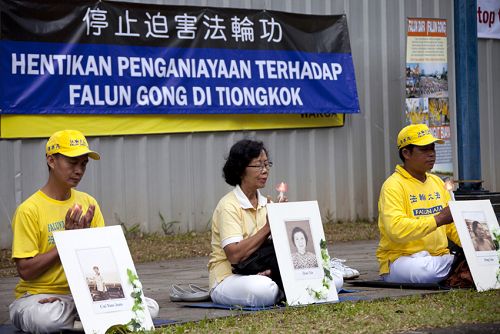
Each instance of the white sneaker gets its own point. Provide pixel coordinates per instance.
(77, 326)
(347, 272)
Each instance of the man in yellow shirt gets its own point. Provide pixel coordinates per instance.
(43, 302)
(415, 221)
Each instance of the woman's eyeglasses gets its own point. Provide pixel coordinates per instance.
(261, 167)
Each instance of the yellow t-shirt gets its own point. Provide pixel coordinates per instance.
(406, 220)
(234, 219)
(33, 223)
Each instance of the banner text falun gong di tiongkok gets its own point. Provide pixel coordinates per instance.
(92, 57)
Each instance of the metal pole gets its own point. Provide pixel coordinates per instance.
(467, 100)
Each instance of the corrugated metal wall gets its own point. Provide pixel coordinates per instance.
(489, 106)
(179, 175)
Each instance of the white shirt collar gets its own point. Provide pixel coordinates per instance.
(245, 202)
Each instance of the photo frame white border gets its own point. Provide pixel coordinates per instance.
(483, 264)
(296, 290)
(104, 259)
(68, 243)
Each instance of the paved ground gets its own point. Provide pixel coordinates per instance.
(157, 278)
(462, 329)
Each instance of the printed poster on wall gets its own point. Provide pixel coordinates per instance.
(427, 84)
(188, 64)
(488, 19)
(100, 57)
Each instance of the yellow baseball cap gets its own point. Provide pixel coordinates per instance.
(71, 143)
(416, 134)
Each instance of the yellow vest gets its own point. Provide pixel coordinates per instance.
(33, 223)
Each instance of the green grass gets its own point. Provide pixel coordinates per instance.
(381, 316)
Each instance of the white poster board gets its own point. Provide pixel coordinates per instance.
(297, 231)
(475, 222)
(95, 261)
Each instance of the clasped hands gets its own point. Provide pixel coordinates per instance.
(75, 219)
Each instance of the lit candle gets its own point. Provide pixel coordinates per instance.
(448, 185)
(282, 188)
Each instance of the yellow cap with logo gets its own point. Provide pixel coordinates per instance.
(416, 134)
(71, 143)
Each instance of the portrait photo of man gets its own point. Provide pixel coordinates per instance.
(480, 235)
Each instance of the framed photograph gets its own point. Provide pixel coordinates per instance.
(95, 261)
(476, 222)
(297, 233)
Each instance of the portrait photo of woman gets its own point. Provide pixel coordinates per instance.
(302, 255)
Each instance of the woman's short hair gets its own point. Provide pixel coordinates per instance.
(297, 230)
(240, 155)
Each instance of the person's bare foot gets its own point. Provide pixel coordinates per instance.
(265, 273)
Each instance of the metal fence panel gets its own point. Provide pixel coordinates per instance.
(179, 175)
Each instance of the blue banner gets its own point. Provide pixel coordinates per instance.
(174, 71)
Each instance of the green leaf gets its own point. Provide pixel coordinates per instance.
(117, 329)
(328, 274)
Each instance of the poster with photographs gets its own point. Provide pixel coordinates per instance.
(95, 261)
(427, 84)
(476, 222)
(297, 232)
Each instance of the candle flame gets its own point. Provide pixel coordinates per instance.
(282, 187)
(449, 184)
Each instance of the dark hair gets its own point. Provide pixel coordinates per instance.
(475, 225)
(239, 157)
(55, 155)
(297, 230)
(409, 147)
